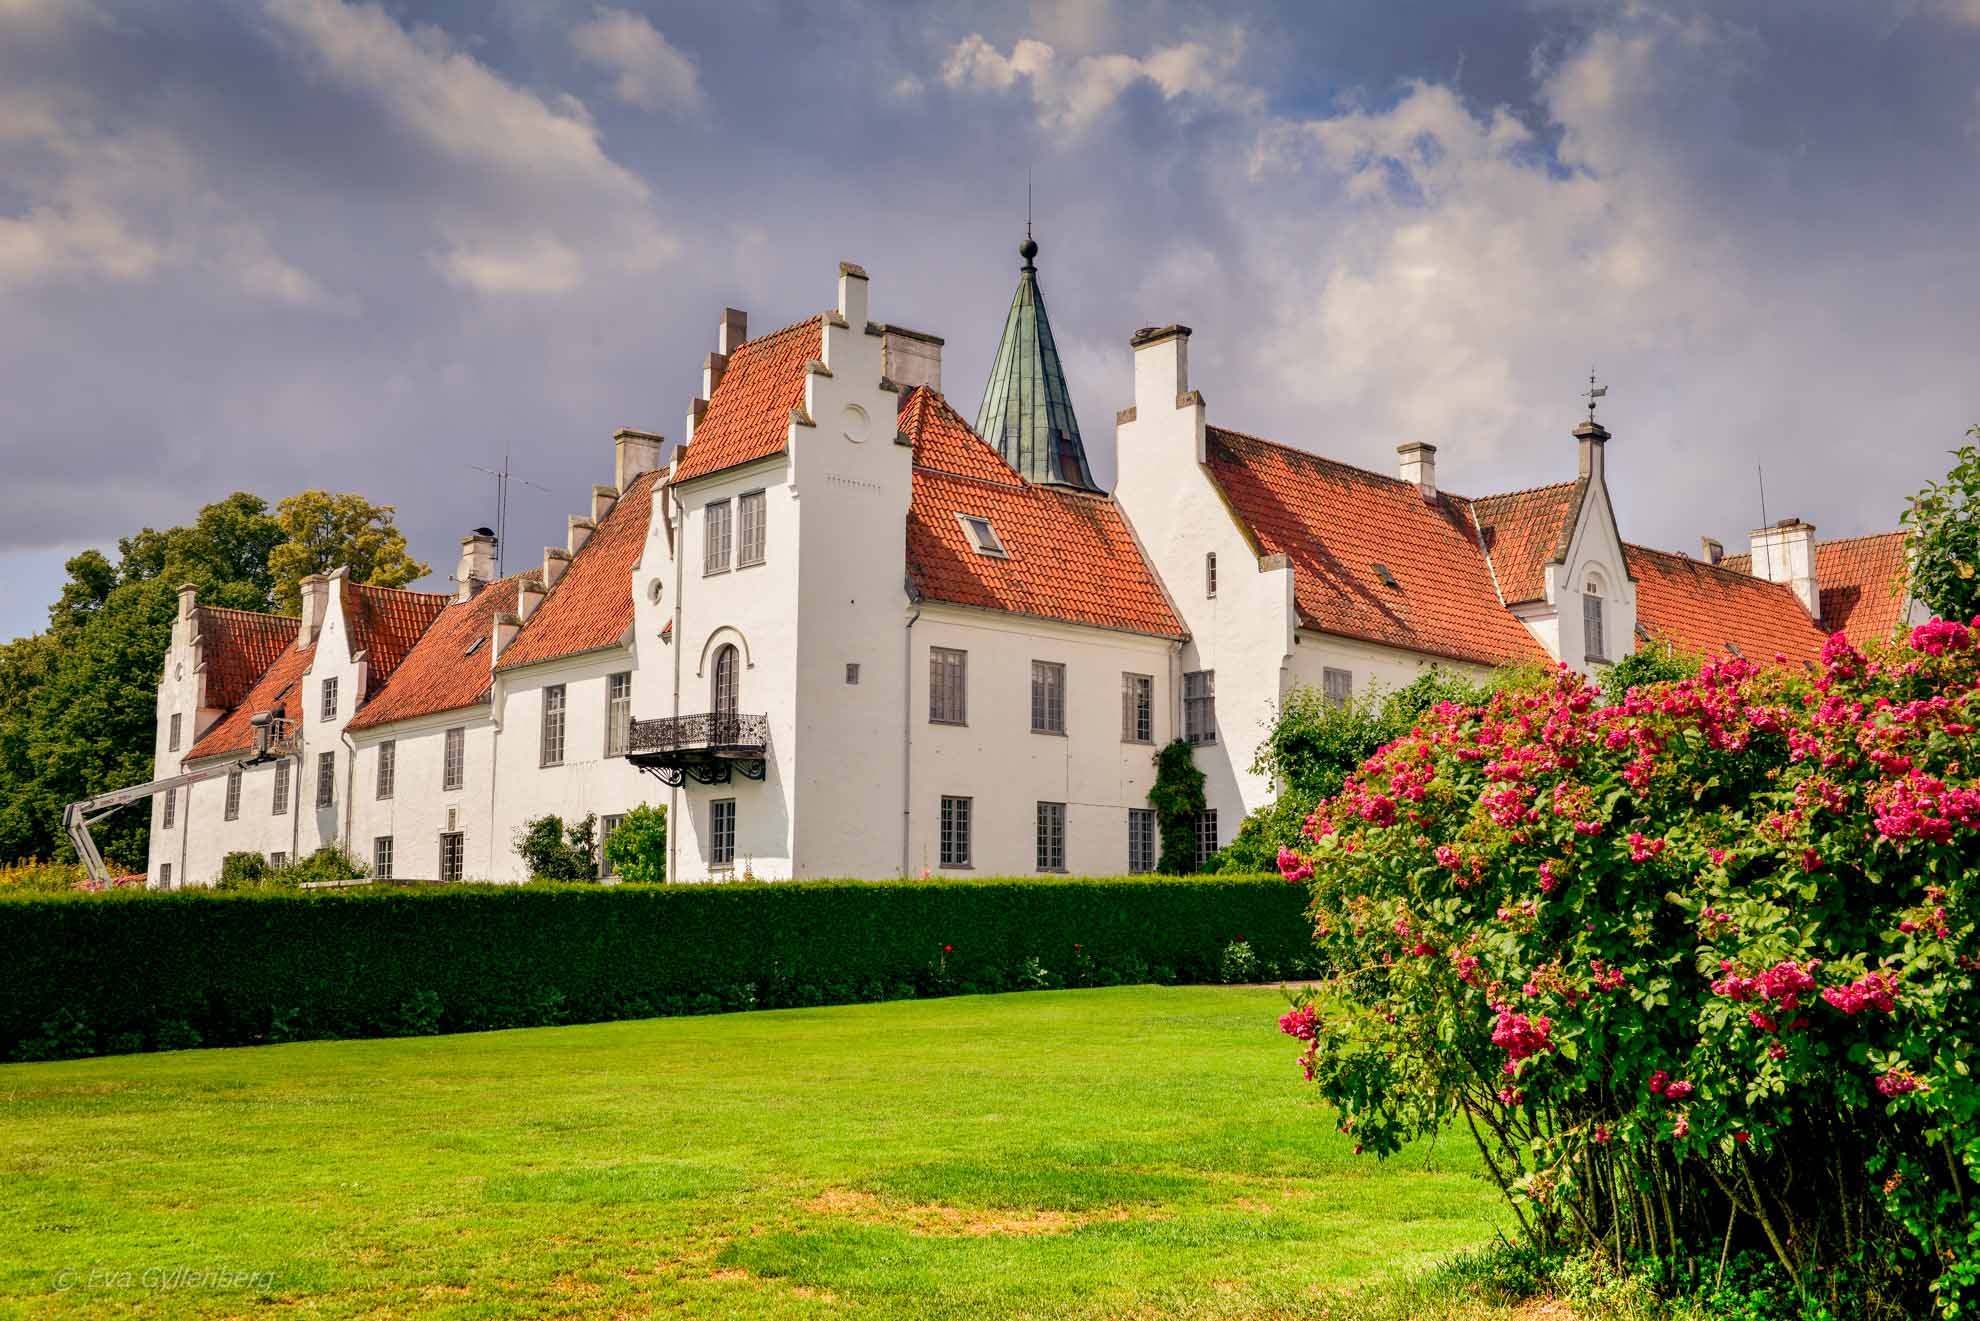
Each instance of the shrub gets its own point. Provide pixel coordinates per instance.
(250, 871)
(637, 850)
(242, 871)
(263, 965)
(1695, 969)
(555, 852)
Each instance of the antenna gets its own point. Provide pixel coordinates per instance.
(503, 476)
(1594, 392)
(1761, 473)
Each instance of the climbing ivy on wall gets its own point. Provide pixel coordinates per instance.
(1177, 797)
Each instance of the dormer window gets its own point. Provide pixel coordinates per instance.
(982, 536)
(1388, 579)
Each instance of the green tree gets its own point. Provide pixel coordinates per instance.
(323, 531)
(637, 850)
(556, 852)
(1944, 520)
(1646, 665)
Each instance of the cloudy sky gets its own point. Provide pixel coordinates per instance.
(279, 244)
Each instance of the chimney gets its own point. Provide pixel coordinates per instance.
(477, 563)
(852, 295)
(1785, 553)
(910, 358)
(1713, 549)
(634, 452)
(1419, 467)
(1592, 437)
(315, 603)
(188, 600)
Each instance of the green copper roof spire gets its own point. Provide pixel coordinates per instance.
(1027, 411)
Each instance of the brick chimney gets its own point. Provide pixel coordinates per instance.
(1785, 553)
(1419, 467)
(477, 567)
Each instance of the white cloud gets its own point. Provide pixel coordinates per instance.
(652, 73)
(1073, 95)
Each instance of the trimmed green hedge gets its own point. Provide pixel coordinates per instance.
(99, 974)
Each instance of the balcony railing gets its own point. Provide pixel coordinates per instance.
(707, 746)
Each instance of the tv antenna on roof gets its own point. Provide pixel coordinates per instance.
(1594, 392)
(503, 476)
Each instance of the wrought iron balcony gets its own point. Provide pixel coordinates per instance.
(707, 747)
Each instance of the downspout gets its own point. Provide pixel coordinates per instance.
(678, 541)
(495, 708)
(295, 804)
(907, 737)
(350, 788)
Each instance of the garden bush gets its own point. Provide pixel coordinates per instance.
(86, 974)
(1695, 968)
(554, 851)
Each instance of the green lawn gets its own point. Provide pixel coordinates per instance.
(1143, 1152)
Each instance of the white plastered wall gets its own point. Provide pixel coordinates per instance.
(418, 810)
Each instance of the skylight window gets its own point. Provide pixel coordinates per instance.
(1388, 579)
(474, 646)
(982, 536)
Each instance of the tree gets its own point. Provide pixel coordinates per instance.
(324, 531)
(637, 850)
(1944, 520)
(555, 852)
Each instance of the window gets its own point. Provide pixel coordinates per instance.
(715, 537)
(388, 767)
(1210, 574)
(381, 857)
(1337, 685)
(722, 689)
(1591, 624)
(618, 713)
(553, 725)
(453, 853)
(233, 796)
(955, 832)
(173, 744)
(1048, 697)
(1200, 706)
(1206, 837)
(750, 510)
(453, 760)
(1137, 708)
(852, 673)
(948, 686)
(326, 779)
(606, 825)
(278, 860)
(1141, 839)
(164, 875)
(171, 812)
(329, 710)
(280, 807)
(722, 832)
(1051, 837)
(982, 536)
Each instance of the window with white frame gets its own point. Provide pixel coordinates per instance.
(1141, 839)
(453, 759)
(1206, 836)
(453, 855)
(326, 779)
(722, 832)
(1048, 697)
(955, 831)
(1337, 685)
(983, 538)
(1200, 706)
(173, 744)
(278, 860)
(329, 704)
(948, 686)
(1210, 574)
(1051, 837)
(381, 857)
(171, 810)
(1137, 708)
(750, 512)
(725, 684)
(553, 725)
(164, 875)
(280, 805)
(715, 537)
(388, 768)
(618, 713)
(1591, 623)
(233, 811)
(606, 826)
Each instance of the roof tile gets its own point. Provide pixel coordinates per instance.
(233, 734)
(591, 606)
(236, 647)
(1710, 608)
(750, 414)
(448, 668)
(1523, 532)
(385, 624)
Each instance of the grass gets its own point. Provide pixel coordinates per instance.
(1137, 1152)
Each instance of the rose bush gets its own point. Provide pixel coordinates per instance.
(1695, 967)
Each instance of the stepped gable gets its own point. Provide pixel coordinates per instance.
(277, 686)
(1336, 523)
(385, 624)
(236, 648)
(749, 412)
(1525, 531)
(1713, 609)
(591, 606)
(1070, 555)
(448, 669)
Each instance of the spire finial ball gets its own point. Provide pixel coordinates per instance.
(1029, 248)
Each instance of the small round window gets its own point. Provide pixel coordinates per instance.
(653, 590)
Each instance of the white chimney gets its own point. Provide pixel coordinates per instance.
(477, 568)
(634, 452)
(315, 603)
(1419, 467)
(1713, 549)
(1591, 436)
(1785, 553)
(910, 358)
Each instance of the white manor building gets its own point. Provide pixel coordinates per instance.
(837, 631)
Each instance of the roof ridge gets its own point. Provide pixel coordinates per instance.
(1528, 490)
(251, 614)
(799, 324)
(1861, 536)
(402, 591)
(1331, 461)
(1681, 557)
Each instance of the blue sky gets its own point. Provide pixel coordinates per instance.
(276, 244)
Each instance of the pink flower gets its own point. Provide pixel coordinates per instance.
(1896, 1082)
(1677, 1091)
(1658, 1081)
(1301, 1023)
(1293, 867)
(1642, 849)
(1873, 990)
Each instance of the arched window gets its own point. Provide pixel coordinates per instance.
(724, 685)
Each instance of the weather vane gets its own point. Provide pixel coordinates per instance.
(1594, 392)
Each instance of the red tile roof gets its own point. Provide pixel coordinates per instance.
(276, 686)
(236, 646)
(592, 605)
(449, 668)
(1523, 532)
(1865, 585)
(1702, 607)
(1071, 555)
(750, 414)
(1336, 523)
(385, 623)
